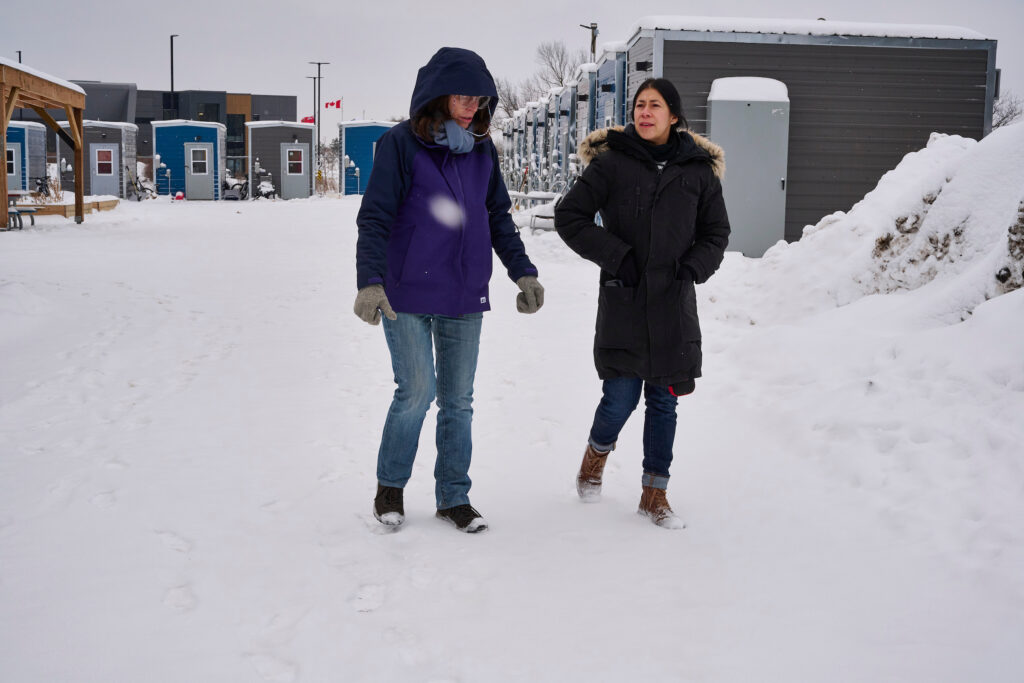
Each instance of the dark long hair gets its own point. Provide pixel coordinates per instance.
(432, 116)
(669, 93)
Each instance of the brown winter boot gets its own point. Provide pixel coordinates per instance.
(654, 505)
(588, 481)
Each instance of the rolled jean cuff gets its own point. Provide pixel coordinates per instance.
(657, 481)
(601, 447)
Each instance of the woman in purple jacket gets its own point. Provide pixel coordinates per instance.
(434, 208)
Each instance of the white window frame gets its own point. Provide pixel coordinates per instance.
(12, 166)
(96, 160)
(192, 160)
(288, 162)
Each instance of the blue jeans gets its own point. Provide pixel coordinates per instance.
(620, 399)
(412, 340)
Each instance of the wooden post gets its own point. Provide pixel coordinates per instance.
(77, 123)
(4, 217)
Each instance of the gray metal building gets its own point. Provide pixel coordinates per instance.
(861, 95)
(110, 154)
(284, 150)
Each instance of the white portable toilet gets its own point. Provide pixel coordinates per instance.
(749, 118)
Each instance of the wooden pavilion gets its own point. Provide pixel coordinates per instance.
(25, 88)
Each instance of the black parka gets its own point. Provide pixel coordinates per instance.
(674, 221)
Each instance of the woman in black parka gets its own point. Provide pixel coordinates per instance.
(659, 193)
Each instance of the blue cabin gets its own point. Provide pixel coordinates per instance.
(610, 108)
(191, 158)
(26, 155)
(358, 148)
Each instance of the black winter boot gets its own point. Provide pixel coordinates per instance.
(388, 506)
(464, 517)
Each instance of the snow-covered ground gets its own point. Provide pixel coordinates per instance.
(190, 413)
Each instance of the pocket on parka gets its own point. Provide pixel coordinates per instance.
(620, 319)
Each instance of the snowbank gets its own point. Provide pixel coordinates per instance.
(949, 215)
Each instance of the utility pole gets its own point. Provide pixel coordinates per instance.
(593, 38)
(314, 97)
(173, 36)
(318, 90)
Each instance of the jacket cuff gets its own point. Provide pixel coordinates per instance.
(612, 260)
(516, 274)
(692, 272)
(373, 280)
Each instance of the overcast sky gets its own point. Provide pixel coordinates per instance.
(375, 46)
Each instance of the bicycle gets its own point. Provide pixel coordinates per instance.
(136, 187)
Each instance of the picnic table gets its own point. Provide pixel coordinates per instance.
(15, 213)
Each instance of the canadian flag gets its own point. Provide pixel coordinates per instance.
(308, 119)
(336, 104)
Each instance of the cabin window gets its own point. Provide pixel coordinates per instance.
(10, 162)
(295, 162)
(104, 162)
(198, 161)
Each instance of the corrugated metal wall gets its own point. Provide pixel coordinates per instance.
(642, 51)
(855, 110)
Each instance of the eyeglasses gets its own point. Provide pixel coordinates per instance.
(480, 101)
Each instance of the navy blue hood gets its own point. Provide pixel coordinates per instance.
(453, 71)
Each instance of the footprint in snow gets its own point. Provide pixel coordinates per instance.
(181, 599)
(331, 477)
(105, 500)
(375, 527)
(368, 598)
(173, 541)
(273, 669)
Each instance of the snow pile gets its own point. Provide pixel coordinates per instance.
(949, 214)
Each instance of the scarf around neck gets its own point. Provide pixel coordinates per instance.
(454, 136)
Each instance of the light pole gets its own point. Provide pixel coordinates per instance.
(314, 97)
(173, 36)
(318, 77)
(593, 38)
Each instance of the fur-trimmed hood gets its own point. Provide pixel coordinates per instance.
(597, 143)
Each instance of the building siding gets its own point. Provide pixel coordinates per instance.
(357, 142)
(641, 51)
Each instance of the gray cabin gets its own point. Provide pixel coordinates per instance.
(110, 157)
(861, 96)
(281, 153)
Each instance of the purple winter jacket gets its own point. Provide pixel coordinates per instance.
(430, 217)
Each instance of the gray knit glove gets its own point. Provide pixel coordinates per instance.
(532, 297)
(371, 302)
